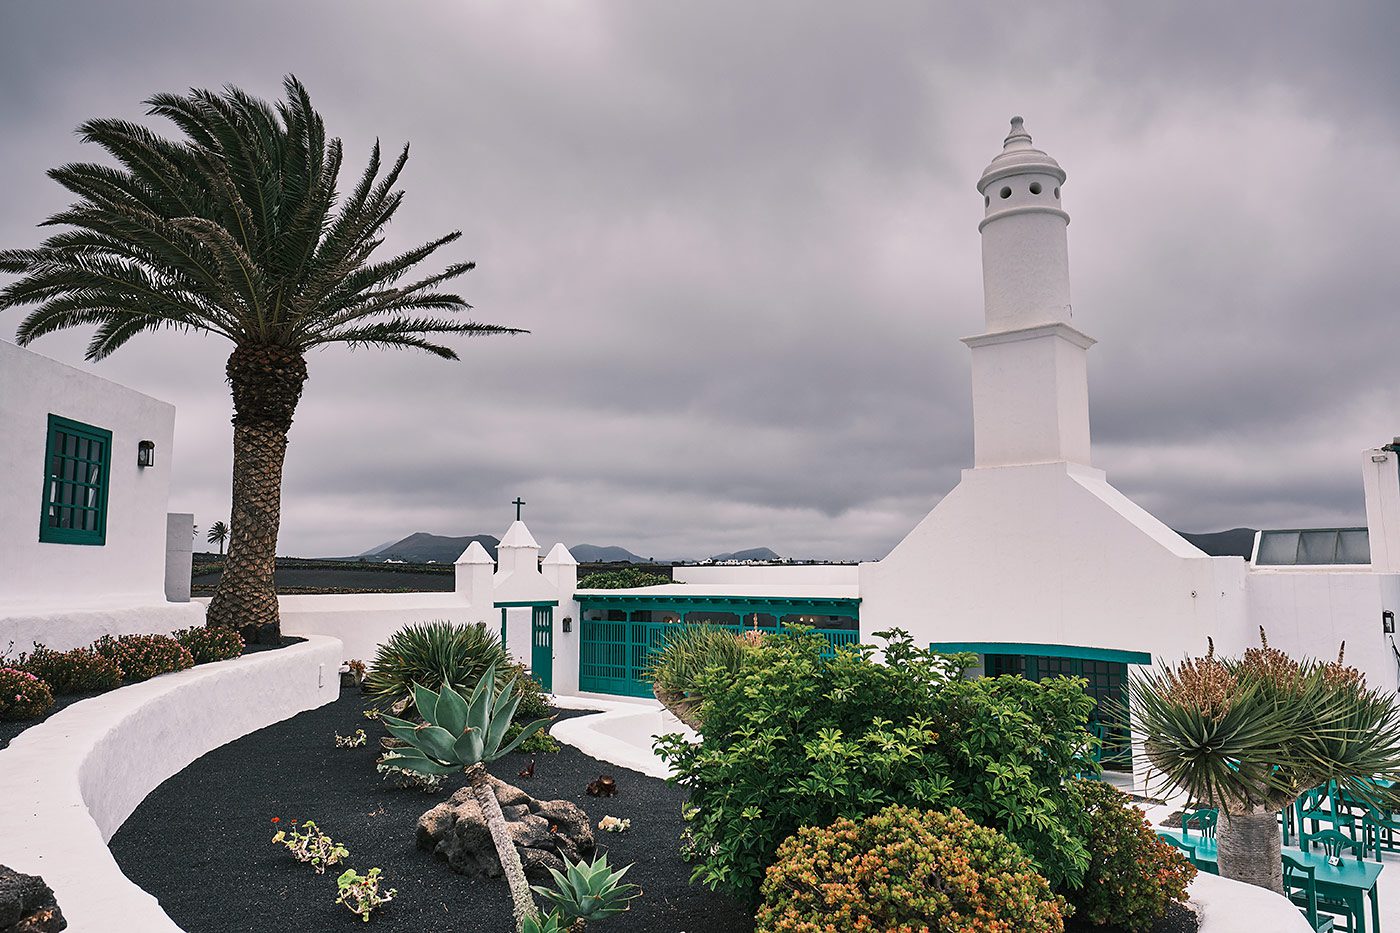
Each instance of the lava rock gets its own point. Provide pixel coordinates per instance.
(544, 832)
(27, 905)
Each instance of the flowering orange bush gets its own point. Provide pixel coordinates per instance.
(1133, 875)
(907, 871)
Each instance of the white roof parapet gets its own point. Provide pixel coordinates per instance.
(518, 536)
(560, 555)
(475, 554)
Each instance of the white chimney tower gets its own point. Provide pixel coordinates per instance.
(1030, 386)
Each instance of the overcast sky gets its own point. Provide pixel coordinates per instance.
(744, 237)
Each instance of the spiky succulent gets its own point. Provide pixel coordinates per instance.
(588, 890)
(457, 733)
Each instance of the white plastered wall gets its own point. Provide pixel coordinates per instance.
(66, 594)
(1051, 554)
(1309, 613)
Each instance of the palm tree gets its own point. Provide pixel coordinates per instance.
(218, 534)
(1249, 735)
(237, 230)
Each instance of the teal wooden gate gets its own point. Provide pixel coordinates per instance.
(614, 654)
(542, 646)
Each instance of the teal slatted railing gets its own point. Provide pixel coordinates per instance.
(614, 654)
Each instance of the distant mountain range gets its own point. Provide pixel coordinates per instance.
(1237, 542)
(753, 553)
(422, 547)
(605, 554)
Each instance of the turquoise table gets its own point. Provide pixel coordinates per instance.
(1349, 882)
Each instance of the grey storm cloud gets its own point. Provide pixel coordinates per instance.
(744, 239)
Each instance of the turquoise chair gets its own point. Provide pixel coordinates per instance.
(1204, 820)
(1336, 813)
(1337, 845)
(1300, 884)
(1190, 852)
(1378, 828)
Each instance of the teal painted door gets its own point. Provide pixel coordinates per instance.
(542, 646)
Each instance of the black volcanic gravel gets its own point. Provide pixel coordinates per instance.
(201, 841)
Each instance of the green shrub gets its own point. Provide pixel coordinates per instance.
(80, 670)
(905, 869)
(142, 657)
(624, 579)
(430, 654)
(1133, 875)
(690, 650)
(797, 739)
(208, 643)
(22, 695)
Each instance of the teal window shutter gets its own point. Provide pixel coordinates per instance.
(77, 464)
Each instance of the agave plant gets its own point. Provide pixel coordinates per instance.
(549, 923)
(588, 891)
(1249, 735)
(466, 734)
(432, 654)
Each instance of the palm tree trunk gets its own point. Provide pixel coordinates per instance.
(1249, 847)
(514, 871)
(266, 383)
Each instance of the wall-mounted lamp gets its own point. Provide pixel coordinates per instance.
(1388, 621)
(568, 624)
(146, 454)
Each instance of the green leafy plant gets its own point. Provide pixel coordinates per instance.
(464, 735)
(353, 740)
(361, 894)
(906, 869)
(79, 670)
(308, 843)
(1133, 876)
(623, 579)
(22, 695)
(538, 743)
(587, 891)
(690, 651)
(431, 654)
(549, 923)
(802, 736)
(211, 643)
(142, 657)
(1249, 734)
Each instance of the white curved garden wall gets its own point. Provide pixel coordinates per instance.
(68, 784)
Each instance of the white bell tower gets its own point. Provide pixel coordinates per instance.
(1030, 386)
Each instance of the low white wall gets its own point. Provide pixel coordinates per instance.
(363, 621)
(70, 782)
(1226, 906)
(814, 574)
(61, 630)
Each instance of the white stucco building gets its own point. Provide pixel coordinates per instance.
(85, 537)
(1034, 561)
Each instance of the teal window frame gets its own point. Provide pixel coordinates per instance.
(56, 487)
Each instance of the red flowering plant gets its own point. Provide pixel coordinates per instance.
(22, 695)
(142, 657)
(79, 670)
(208, 643)
(906, 869)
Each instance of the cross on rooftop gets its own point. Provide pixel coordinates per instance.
(518, 503)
